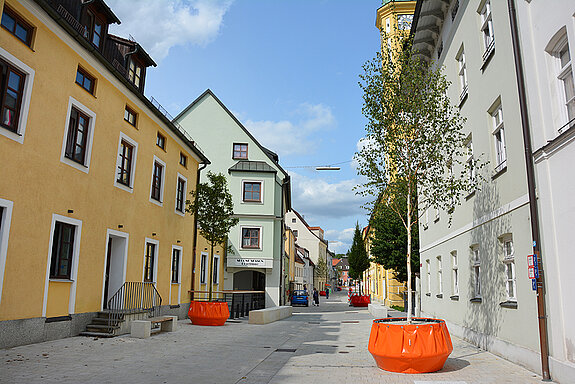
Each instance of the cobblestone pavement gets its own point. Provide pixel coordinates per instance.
(325, 344)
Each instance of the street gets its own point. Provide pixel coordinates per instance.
(324, 344)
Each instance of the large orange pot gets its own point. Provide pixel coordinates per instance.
(213, 313)
(360, 300)
(410, 348)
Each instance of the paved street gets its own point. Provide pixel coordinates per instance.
(326, 344)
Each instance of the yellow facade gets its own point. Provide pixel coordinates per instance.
(39, 187)
(202, 280)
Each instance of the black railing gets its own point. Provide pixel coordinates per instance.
(240, 303)
(133, 297)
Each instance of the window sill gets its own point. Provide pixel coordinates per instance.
(428, 294)
(487, 56)
(509, 304)
(85, 90)
(123, 187)
(469, 196)
(436, 220)
(55, 279)
(250, 248)
(476, 300)
(156, 202)
(462, 98)
(499, 170)
(454, 297)
(176, 283)
(439, 295)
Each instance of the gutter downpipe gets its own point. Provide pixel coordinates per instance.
(541, 311)
(203, 166)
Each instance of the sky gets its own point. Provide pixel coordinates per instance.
(287, 69)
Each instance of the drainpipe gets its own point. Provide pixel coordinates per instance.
(543, 341)
(195, 242)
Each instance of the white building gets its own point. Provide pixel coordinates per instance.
(261, 192)
(474, 272)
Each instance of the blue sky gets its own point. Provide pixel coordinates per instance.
(288, 69)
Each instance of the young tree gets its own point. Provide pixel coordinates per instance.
(213, 206)
(357, 259)
(414, 144)
(321, 268)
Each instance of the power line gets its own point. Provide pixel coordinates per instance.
(331, 165)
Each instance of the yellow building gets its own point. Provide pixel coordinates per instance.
(290, 260)
(94, 177)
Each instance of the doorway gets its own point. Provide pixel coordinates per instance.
(115, 270)
(249, 281)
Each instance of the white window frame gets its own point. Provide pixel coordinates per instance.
(163, 164)
(156, 259)
(179, 283)
(242, 238)
(486, 28)
(75, 261)
(561, 73)
(134, 144)
(439, 276)
(261, 182)
(203, 267)
(73, 103)
(476, 271)
(178, 178)
(29, 73)
(428, 272)
(462, 74)
(455, 273)
(216, 270)
(5, 221)
(470, 160)
(499, 137)
(509, 264)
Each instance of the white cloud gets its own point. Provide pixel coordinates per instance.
(292, 138)
(346, 234)
(159, 25)
(318, 198)
(339, 247)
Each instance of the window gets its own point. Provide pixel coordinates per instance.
(509, 263)
(439, 276)
(125, 167)
(565, 77)
(85, 81)
(216, 270)
(476, 271)
(203, 267)
(499, 139)
(176, 265)
(62, 251)
(130, 116)
(295, 232)
(16, 26)
(240, 151)
(404, 22)
(161, 141)
(180, 194)
(135, 71)
(251, 237)
(77, 140)
(149, 262)
(293, 220)
(455, 273)
(12, 87)
(425, 221)
(487, 30)
(94, 29)
(157, 181)
(183, 160)
(462, 75)
(252, 191)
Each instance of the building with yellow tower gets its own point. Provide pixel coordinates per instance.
(393, 17)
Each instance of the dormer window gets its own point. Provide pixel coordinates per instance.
(94, 29)
(135, 72)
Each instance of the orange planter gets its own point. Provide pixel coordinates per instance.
(410, 348)
(213, 313)
(360, 300)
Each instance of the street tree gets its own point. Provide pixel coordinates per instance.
(414, 143)
(214, 208)
(357, 256)
(321, 268)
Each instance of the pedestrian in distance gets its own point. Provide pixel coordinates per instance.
(315, 297)
(327, 293)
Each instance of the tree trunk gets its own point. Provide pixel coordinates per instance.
(211, 271)
(409, 301)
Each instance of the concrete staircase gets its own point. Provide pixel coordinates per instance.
(101, 327)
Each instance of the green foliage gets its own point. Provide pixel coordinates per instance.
(321, 268)
(213, 205)
(358, 259)
(389, 242)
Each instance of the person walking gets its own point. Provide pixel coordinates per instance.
(327, 293)
(315, 297)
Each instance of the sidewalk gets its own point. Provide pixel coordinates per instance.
(325, 344)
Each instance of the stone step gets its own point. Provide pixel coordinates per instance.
(96, 334)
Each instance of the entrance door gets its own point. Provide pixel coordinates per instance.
(115, 264)
(249, 281)
(107, 274)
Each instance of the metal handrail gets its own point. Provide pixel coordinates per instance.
(133, 297)
(240, 303)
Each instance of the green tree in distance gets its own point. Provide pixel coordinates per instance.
(357, 258)
(214, 208)
(414, 143)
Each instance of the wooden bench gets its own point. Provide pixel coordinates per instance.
(269, 315)
(142, 329)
